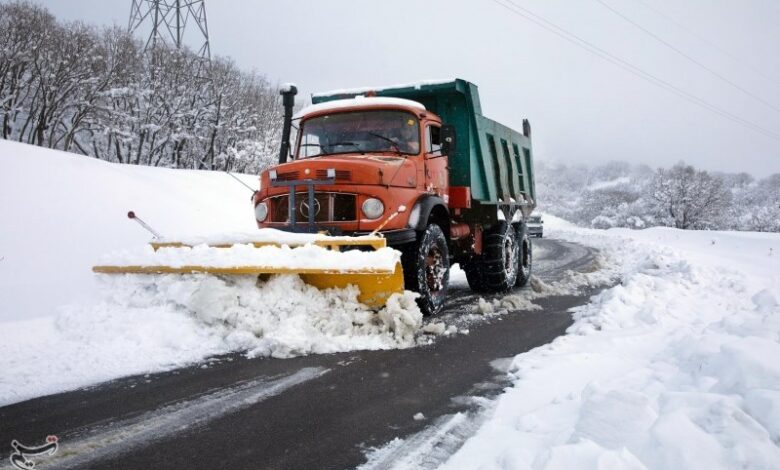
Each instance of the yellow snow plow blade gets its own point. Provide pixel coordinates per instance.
(376, 285)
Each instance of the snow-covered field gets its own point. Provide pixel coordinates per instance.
(678, 367)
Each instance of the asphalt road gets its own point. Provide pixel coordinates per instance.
(320, 411)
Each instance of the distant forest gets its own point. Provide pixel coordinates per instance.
(94, 91)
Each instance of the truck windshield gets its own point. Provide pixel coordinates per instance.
(361, 132)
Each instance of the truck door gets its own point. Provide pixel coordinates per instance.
(436, 169)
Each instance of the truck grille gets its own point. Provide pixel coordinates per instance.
(341, 175)
(289, 176)
(328, 207)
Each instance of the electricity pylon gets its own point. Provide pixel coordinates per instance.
(169, 20)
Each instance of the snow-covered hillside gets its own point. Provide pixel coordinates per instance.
(60, 212)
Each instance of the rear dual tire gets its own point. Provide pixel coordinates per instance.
(505, 261)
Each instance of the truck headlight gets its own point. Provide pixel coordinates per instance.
(373, 208)
(261, 211)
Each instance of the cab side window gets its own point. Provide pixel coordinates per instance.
(433, 137)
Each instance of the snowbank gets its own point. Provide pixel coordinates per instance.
(61, 212)
(676, 367)
(62, 327)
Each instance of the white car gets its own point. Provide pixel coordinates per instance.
(535, 226)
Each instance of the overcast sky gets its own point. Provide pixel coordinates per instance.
(582, 108)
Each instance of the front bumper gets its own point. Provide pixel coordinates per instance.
(396, 237)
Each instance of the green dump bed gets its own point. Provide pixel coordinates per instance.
(495, 161)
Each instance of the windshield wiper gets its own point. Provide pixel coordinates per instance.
(322, 149)
(347, 143)
(388, 139)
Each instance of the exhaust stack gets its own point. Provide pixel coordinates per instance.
(288, 93)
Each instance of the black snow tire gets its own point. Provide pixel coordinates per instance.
(525, 261)
(426, 264)
(495, 270)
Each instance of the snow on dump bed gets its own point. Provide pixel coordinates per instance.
(676, 367)
(307, 256)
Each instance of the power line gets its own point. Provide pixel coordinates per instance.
(688, 57)
(703, 39)
(593, 49)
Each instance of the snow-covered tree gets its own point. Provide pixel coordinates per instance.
(73, 87)
(689, 198)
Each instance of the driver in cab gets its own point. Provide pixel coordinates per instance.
(409, 139)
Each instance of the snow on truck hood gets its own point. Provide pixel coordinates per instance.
(361, 101)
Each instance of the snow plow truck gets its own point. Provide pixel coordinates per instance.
(416, 168)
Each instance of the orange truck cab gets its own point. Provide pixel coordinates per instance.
(363, 163)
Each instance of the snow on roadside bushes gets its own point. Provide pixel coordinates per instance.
(676, 367)
(153, 323)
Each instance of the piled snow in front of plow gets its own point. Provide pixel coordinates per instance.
(152, 323)
(63, 327)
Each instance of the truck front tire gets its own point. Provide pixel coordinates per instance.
(496, 269)
(426, 264)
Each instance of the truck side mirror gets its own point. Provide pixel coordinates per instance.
(448, 140)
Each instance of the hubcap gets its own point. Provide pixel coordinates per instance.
(434, 270)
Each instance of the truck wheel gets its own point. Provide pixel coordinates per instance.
(496, 269)
(426, 264)
(525, 261)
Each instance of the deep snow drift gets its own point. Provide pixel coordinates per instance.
(61, 212)
(675, 367)
(62, 327)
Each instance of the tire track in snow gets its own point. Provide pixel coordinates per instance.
(123, 436)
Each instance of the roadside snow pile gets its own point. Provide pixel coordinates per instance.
(153, 323)
(676, 367)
